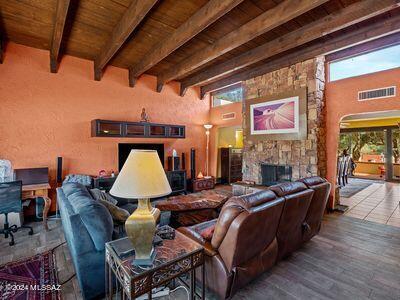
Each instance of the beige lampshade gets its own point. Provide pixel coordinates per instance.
(142, 176)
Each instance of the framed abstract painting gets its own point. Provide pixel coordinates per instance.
(277, 117)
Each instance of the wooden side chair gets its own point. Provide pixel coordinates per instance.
(346, 169)
(340, 166)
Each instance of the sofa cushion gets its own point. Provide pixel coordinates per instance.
(225, 219)
(287, 188)
(100, 195)
(74, 187)
(208, 232)
(311, 181)
(78, 178)
(252, 200)
(118, 214)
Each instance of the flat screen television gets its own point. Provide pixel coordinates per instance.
(125, 149)
(32, 175)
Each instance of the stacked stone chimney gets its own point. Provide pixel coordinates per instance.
(307, 157)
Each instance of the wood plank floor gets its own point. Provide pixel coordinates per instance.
(349, 259)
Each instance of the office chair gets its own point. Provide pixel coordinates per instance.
(11, 201)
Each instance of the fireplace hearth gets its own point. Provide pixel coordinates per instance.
(273, 174)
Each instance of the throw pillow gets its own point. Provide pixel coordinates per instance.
(207, 233)
(100, 195)
(118, 214)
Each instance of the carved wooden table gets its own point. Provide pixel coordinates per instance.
(187, 210)
(173, 259)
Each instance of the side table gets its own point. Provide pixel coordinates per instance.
(173, 258)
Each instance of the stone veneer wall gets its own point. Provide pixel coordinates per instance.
(307, 157)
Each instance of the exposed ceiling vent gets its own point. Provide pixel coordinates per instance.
(229, 116)
(377, 93)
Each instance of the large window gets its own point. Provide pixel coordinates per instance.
(227, 95)
(379, 60)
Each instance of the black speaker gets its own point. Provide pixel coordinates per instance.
(192, 163)
(59, 169)
(173, 163)
(183, 161)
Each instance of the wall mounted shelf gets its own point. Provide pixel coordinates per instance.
(106, 128)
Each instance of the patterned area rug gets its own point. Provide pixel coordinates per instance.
(33, 278)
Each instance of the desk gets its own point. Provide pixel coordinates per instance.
(35, 191)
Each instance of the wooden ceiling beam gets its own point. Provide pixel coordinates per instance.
(132, 79)
(323, 47)
(135, 13)
(272, 18)
(206, 15)
(1, 49)
(2, 36)
(56, 38)
(355, 13)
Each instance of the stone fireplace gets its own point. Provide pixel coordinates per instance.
(305, 157)
(273, 174)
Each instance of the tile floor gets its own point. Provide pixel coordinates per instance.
(377, 203)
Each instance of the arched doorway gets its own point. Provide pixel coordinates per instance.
(372, 140)
(371, 144)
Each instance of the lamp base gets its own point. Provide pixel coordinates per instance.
(140, 228)
(145, 262)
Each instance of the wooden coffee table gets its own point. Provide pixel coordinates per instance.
(191, 209)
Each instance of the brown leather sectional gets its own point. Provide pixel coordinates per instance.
(253, 232)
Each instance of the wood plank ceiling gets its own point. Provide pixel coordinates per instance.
(197, 42)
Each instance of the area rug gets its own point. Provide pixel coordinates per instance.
(356, 185)
(33, 278)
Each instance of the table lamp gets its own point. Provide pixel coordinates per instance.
(142, 177)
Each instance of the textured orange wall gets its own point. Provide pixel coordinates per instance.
(45, 115)
(216, 119)
(341, 101)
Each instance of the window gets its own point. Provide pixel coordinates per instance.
(375, 61)
(227, 95)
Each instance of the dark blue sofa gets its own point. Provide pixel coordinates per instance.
(87, 227)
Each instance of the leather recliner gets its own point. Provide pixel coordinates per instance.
(291, 226)
(254, 231)
(318, 204)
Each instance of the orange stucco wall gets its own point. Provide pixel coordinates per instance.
(216, 119)
(45, 115)
(341, 101)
